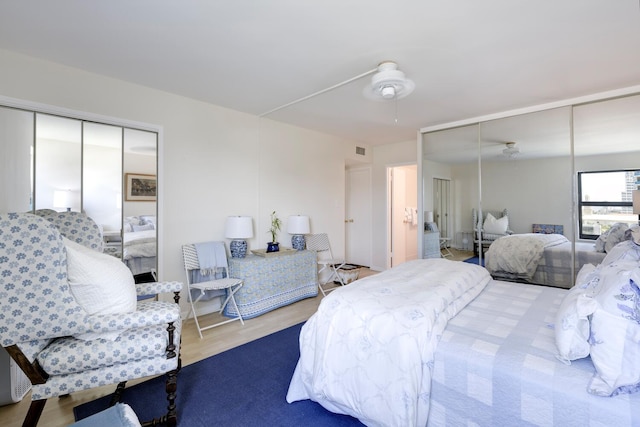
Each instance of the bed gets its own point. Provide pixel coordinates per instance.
(368, 354)
(496, 365)
(139, 244)
(543, 259)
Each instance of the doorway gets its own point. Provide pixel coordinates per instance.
(402, 202)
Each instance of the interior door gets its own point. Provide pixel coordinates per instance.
(358, 218)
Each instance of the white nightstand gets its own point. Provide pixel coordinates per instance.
(431, 244)
(112, 243)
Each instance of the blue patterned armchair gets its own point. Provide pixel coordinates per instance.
(40, 320)
(75, 226)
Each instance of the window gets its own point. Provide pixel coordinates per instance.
(605, 198)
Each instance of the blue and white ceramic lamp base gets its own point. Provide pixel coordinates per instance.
(238, 248)
(297, 242)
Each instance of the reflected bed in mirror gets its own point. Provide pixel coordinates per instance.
(139, 244)
(539, 258)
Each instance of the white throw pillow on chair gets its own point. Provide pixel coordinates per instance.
(495, 226)
(100, 283)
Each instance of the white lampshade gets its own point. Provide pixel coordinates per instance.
(62, 199)
(428, 216)
(298, 224)
(238, 227)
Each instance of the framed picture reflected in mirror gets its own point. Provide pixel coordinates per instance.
(140, 188)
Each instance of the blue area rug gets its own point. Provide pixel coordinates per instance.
(474, 260)
(244, 386)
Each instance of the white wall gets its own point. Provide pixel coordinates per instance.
(214, 162)
(534, 192)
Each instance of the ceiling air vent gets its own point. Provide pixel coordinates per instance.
(360, 150)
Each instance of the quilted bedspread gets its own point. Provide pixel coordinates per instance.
(368, 351)
(520, 254)
(139, 244)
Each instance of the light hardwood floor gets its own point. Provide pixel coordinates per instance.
(59, 411)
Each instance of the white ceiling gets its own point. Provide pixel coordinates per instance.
(467, 58)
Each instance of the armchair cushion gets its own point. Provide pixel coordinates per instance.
(69, 355)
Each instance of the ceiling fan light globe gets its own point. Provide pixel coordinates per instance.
(388, 83)
(388, 92)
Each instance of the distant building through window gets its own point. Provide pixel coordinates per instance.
(605, 198)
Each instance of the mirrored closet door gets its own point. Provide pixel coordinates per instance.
(533, 167)
(68, 164)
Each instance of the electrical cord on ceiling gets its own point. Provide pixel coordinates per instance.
(319, 92)
(388, 83)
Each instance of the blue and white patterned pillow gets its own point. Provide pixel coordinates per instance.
(615, 331)
(572, 328)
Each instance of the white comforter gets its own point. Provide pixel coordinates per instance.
(368, 350)
(139, 244)
(520, 253)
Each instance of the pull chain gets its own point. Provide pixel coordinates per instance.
(396, 100)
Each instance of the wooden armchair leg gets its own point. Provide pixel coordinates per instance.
(117, 394)
(171, 388)
(171, 417)
(34, 412)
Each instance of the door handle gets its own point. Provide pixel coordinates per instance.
(348, 220)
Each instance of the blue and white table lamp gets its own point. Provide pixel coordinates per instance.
(238, 228)
(298, 226)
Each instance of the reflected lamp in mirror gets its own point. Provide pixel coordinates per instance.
(428, 219)
(636, 203)
(238, 228)
(62, 199)
(298, 226)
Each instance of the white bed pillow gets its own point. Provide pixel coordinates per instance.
(610, 238)
(615, 331)
(572, 319)
(616, 235)
(100, 283)
(144, 227)
(148, 219)
(623, 251)
(495, 226)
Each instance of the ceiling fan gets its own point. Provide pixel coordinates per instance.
(511, 151)
(388, 83)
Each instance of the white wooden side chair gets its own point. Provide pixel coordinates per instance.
(320, 244)
(444, 247)
(207, 271)
(60, 344)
